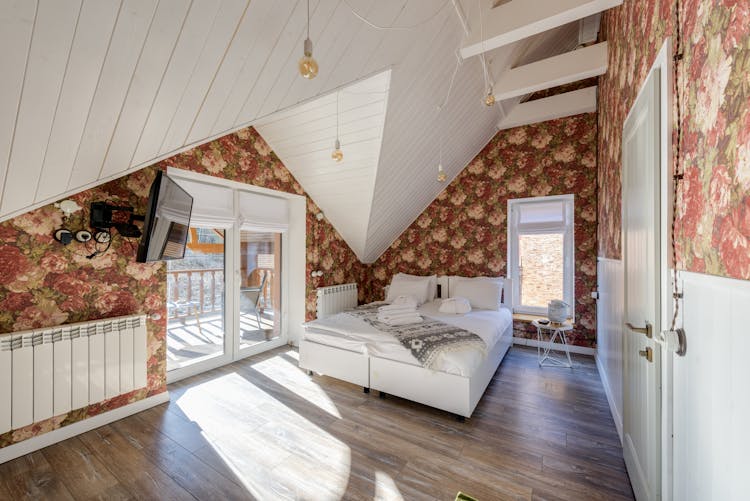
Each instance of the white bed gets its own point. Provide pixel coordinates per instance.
(349, 349)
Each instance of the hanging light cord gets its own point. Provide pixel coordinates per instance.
(678, 175)
(389, 28)
(337, 116)
(450, 85)
(308, 19)
(481, 56)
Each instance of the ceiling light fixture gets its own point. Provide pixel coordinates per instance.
(308, 66)
(442, 176)
(489, 100)
(337, 154)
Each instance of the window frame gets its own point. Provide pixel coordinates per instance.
(568, 231)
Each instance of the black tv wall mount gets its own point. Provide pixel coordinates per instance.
(102, 219)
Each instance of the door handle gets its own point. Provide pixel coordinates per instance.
(648, 354)
(647, 330)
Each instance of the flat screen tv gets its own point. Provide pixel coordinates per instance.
(167, 221)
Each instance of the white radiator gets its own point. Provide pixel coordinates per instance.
(51, 371)
(335, 299)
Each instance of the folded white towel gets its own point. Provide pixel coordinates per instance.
(455, 305)
(397, 308)
(397, 314)
(406, 300)
(413, 319)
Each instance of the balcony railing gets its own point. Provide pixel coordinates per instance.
(199, 292)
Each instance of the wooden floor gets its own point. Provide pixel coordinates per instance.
(262, 428)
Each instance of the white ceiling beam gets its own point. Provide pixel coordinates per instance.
(521, 19)
(549, 108)
(551, 72)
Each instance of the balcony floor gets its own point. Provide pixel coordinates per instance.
(195, 338)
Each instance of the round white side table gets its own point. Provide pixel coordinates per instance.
(555, 331)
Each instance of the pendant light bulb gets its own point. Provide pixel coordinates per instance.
(308, 66)
(489, 100)
(337, 154)
(441, 176)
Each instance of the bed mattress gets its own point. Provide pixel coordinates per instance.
(353, 334)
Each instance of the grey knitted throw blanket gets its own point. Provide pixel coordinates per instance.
(425, 340)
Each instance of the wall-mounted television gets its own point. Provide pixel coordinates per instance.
(167, 221)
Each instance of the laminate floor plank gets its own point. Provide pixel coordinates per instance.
(261, 428)
(131, 466)
(82, 473)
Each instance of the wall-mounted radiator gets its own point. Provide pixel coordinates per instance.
(48, 372)
(335, 299)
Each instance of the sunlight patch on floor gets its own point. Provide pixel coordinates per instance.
(386, 488)
(275, 452)
(291, 377)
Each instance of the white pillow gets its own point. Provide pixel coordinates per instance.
(432, 278)
(417, 288)
(482, 292)
(455, 305)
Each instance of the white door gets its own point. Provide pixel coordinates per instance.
(641, 355)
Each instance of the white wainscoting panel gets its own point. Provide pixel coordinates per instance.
(711, 397)
(609, 321)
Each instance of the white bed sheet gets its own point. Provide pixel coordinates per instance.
(353, 334)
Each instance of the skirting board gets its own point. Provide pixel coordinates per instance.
(39, 442)
(608, 391)
(581, 350)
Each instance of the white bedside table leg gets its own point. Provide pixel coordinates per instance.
(567, 350)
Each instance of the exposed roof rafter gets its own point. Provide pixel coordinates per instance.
(549, 108)
(552, 72)
(520, 19)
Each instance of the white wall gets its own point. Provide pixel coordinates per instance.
(709, 455)
(711, 391)
(609, 322)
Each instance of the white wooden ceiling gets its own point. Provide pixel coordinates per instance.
(304, 136)
(94, 89)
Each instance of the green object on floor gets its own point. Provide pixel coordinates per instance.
(464, 497)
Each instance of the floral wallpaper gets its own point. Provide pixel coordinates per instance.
(463, 232)
(43, 283)
(713, 216)
(245, 157)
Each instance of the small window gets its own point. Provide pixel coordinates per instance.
(541, 252)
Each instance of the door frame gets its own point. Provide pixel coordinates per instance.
(293, 290)
(663, 62)
(238, 352)
(226, 356)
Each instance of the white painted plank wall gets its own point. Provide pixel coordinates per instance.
(124, 51)
(228, 74)
(168, 22)
(50, 46)
(252, 69)
(182, 64)
(712, 401)
(229, 16)
(287, 46)
(90, 44)
(609, 331)
(16, 25)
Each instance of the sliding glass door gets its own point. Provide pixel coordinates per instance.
(259, 288)
(196, 305)
(224, 299)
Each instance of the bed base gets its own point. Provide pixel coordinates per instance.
(345, 365)
(449, 392)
